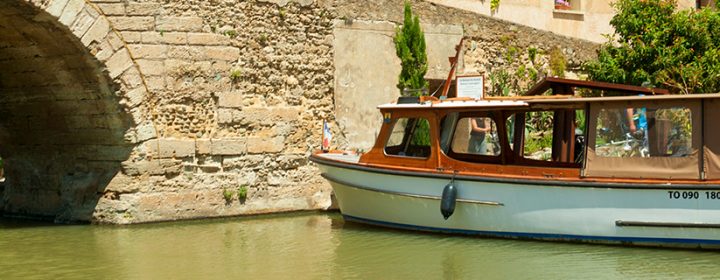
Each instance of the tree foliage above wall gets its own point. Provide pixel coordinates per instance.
(410, 48)
(658, 45)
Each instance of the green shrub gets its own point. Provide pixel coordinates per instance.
(410, 48)
(558, 63)
(532, 54)
(242, 192)
(232, 33)
(494, 6)
(263, 39)
(656, 44)
(227, 195)
(235, 75)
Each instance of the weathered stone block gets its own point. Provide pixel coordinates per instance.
(259, 145)
(83, 22)
(103, 51)
(115, 41)
(177, 148)
(142, 9)
(188, 24)
(131, 78)
(151, 67)
(118, 63)
(112, 9)
(56, 7)
(222, 53)
(71, 11)
(97, 32)
(133, 23)
(156, 83)
(136, 96)
(207, 39)
(121, 183)
(228, 146)
(203, 147)
(148, 51)
(230, 99)
(154, 167)
(131, 37)
(186, 52)
(174, 38)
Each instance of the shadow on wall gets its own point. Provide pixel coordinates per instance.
(62, 128)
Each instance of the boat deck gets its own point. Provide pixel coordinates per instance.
(344, 157)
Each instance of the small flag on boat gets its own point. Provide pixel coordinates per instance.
(326, 136)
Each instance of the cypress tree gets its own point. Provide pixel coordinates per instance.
(410, 48)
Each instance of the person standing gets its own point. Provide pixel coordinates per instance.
(479, 127)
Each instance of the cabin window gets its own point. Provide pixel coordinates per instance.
(644, 132)
(645, 139)
(409, 137)
(538, 140)
(553, 138)
(476, 136)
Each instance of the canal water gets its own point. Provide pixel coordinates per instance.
(317, 246)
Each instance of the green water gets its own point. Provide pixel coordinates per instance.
(317, 246)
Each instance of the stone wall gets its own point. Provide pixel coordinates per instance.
(240, 90)
(70, 109)
(497, 49)
(121, 111)
(366, 71)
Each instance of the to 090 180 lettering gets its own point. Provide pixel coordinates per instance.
(685, 194)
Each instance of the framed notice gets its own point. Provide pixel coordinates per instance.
(470, 86)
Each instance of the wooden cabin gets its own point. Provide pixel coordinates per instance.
(585, 139)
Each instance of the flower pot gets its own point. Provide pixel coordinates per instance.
(562, 7)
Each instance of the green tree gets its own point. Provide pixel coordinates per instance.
(410, 48)
(653, 43)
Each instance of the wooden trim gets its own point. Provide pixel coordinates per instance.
(453, 65)
(552, 82)
(510, 176)
(525, 97)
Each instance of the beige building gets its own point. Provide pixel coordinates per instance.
(584, 19)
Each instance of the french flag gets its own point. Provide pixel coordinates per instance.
(327, 136)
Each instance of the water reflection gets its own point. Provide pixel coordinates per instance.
(316, 246)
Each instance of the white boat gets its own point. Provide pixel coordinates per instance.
(648, 174)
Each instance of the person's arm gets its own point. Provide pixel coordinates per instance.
(476, 127)
(631, 123)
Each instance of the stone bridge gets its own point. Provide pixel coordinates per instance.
(115, 112)
(119, 111)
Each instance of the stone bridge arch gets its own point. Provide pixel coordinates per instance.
(73, 108)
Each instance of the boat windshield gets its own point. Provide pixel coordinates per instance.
(410, 137)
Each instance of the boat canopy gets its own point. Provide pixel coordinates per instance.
(645, 133)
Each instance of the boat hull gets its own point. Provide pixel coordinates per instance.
(616, 214)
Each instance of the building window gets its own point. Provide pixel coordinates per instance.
(567, 5)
